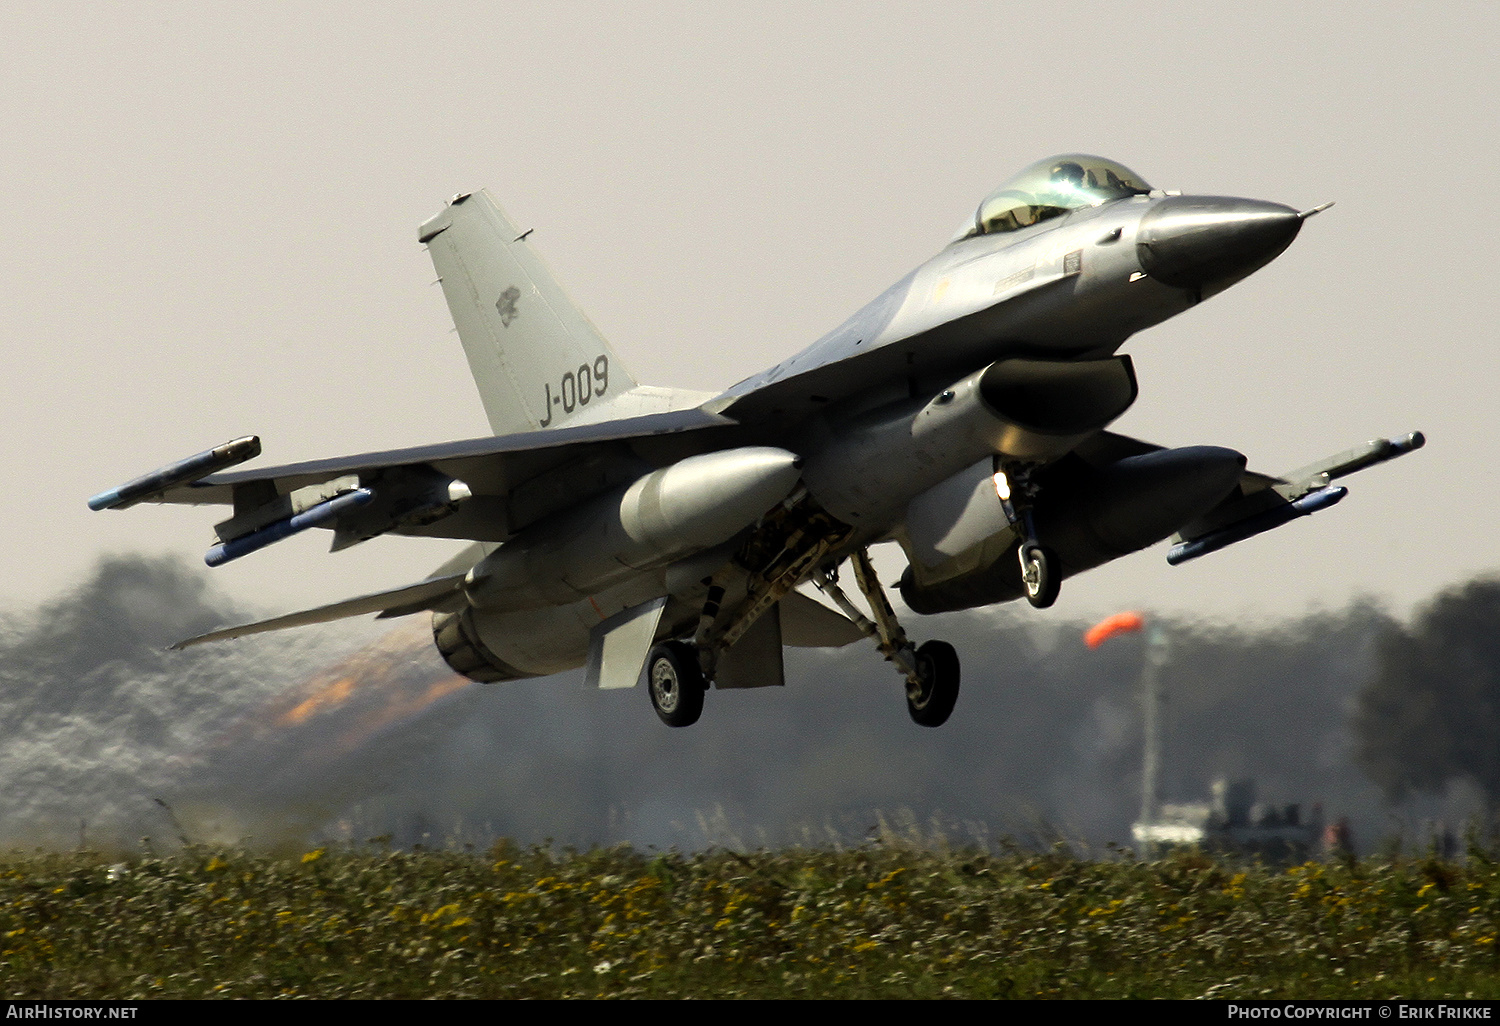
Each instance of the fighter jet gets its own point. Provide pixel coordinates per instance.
(673, 536)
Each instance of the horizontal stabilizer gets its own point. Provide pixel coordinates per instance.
(429, 594)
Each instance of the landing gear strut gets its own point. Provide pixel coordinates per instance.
(931, 671)
(1039, 570)
(793, 538)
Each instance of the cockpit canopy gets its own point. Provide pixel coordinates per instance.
(1052, 187)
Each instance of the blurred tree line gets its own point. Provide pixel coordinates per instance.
(1430, 713)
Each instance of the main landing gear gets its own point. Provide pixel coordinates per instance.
(796, 536)
(931, 702)
(677, 679)
(676, 683)
(931, 671)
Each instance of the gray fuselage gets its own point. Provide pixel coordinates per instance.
(853, 404)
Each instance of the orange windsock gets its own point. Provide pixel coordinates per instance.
(1120, 623)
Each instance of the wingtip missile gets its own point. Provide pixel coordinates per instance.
(1408, 443)
(230, 454)
(1377, 450)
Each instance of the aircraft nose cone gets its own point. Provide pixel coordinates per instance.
(1194, 242)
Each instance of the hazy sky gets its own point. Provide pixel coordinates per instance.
(211, 214)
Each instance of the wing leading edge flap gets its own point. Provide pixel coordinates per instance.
(429, 594)
(478, 461)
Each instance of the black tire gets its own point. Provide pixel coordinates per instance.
(676, 683)
(1043, 588)
(937, 664)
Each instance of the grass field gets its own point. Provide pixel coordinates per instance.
(879, 921)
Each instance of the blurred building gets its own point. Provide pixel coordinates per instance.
(1233, 822)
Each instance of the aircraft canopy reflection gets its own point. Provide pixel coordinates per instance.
(1052, 187)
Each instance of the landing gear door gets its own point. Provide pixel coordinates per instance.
(618, 646)
(956, 515)
(755, 660)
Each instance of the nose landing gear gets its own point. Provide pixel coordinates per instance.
(1039, 570)
(1039, 574)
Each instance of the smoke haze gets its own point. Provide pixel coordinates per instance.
(306, 736)
(1430, 713)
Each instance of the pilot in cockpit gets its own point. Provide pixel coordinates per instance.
(1051, 188)
(1068, 173)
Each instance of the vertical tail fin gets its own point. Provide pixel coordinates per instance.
(535, 357)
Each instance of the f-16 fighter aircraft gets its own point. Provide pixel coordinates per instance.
(655, 532)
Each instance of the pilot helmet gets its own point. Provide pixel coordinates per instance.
(1067, 173)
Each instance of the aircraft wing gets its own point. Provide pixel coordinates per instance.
(1106, 447)
(482, 489)
(1261, 503)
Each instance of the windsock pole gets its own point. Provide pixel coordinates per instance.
(1151, 699)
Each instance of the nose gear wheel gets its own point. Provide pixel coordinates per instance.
(1039, 574)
